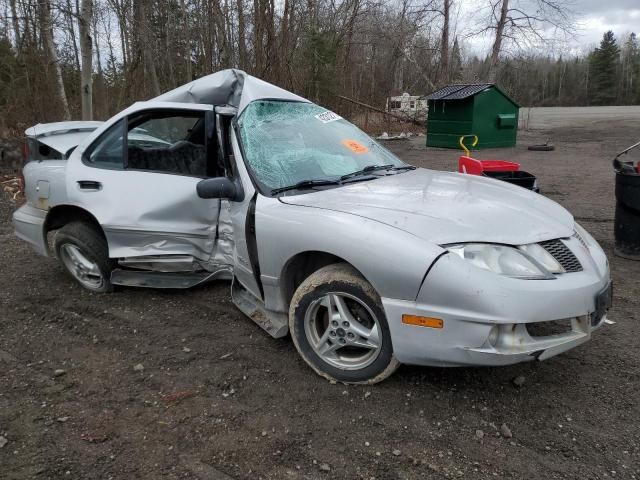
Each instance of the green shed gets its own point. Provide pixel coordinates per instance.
(481, 109)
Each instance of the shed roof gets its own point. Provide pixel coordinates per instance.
(460, 91)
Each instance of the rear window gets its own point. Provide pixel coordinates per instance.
(40, 151)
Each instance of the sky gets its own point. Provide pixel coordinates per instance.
(593, 18)
(598, 16)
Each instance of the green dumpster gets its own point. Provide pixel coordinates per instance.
(481, 109)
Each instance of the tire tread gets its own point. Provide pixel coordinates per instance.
(338, 272)
(93, 241)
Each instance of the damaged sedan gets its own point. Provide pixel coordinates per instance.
(365, 261)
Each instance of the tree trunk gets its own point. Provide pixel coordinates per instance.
(86, 51)
(146, 45)
(284, 42)
(258, 25)
(187, 42)
(271, 47)
(16, 26)
(97, 49)
(47, 32)
(346, 57)
(497, 43)
(222, 43)
(242, 41)
(71, 14)
(444, 44)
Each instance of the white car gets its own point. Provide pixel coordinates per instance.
(365, 261)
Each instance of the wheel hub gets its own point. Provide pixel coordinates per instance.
(343, 331)
(82, 268)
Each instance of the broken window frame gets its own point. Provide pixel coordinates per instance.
(128, 123)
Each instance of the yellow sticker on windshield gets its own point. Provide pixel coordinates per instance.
(355, 146)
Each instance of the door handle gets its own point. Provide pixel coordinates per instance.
(89, 185)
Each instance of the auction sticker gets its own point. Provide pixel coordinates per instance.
(328, 116)
(355, 146)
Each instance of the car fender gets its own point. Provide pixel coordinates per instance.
(392, 260)
(45, 184)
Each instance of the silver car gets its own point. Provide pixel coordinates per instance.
(365, 261)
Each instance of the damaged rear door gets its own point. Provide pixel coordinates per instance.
(138, 178)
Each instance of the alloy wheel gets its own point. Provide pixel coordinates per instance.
(83, 270)
(343, 331)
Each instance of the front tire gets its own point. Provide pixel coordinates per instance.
(84, 253)
(339, 327)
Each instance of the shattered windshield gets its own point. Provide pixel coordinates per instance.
(285, 143)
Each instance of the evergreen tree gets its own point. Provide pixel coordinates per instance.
(603, 66)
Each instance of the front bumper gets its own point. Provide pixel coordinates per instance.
(489, 320)
(28, 223)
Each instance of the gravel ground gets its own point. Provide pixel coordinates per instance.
(551, 117)
(151, 384)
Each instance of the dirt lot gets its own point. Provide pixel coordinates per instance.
(218, 399)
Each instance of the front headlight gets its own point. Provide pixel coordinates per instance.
(501, 259)
(543, 257)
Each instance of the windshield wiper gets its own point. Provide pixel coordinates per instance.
(404, 167)
(373, 168)
(305, 184)
(365, 170)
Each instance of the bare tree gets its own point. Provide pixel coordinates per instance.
(242, 42)
(444, 42)
(16, 25)
(70, 15)
(497, 42)
(523, 23)
(85, 21)
(327, 50)
(47, 33)
(146, 43)
(188, 75)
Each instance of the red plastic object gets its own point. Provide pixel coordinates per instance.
(476, 167)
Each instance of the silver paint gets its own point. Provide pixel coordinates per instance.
(393, 230)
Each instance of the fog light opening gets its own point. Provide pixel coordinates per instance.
(493, 335)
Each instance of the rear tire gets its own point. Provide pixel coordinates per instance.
(339, 327)
(84, 253)
(545, 147)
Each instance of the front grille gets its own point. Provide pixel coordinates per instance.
(546, 329)
(562, 254)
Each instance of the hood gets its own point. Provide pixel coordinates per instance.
(443, 207)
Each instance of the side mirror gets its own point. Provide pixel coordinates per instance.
(219, 187)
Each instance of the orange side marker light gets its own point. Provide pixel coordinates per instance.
(419, 321)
